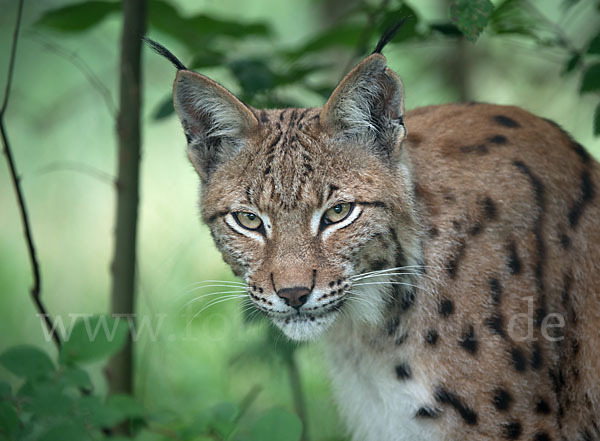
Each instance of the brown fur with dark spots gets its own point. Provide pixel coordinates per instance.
(498, 204)
(438, 163)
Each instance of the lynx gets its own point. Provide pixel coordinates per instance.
(448, 256)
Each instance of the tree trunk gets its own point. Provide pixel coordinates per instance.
(120, 369)
(457, 66)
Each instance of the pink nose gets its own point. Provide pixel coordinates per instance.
(294, 297)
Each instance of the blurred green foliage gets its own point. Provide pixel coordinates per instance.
(211, 372)
(59, 403)
(259, 79)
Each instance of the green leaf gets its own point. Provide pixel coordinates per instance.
(510, 17)
(27, 362)
(92, 409)
(597, 121)
(594, 46)
(164, 109)
(116, 409)
(197, 31)
(345, 35)
(568, 4)
(409, 28)
(471, 16)
(591, 79)
(232, 29)
(125, 406)
(447, 29)
(207, 59)
(94, 338)
(324, 90)
(48, 399)
(66, 431)
(5, 390)
(298, 73)
(198, 427)
(571, 64)
(9, 420)
(75, 377)
(78, 17)
(223, 418)
(164, 16)
(277, 425)
(253, 75)
(96, 413)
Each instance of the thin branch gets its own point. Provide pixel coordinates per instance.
(35, 267)
(78, 167)
(82, 66)
(297, 393)
(248, 401)
(11, 62)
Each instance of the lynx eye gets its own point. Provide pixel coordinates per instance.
(248, 220)
(337, 213)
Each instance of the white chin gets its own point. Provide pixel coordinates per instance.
(304, 328)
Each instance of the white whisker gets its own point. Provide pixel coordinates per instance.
(394, 274)
(356, 298)
(216, 293)
(386, 283)
(386, 274)
(193, 290)
(230, 282)
(209, 284)
(216, 302)
(398, 268)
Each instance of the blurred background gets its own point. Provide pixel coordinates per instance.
(61, 123)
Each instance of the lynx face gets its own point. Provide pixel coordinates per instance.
(299, 227)
(299, 201)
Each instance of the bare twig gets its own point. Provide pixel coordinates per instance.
(11, 62)
(78, 167)
(248, 401)
(297, 393)
(81, 65)
(35, 267)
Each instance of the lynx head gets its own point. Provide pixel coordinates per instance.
(302, 203)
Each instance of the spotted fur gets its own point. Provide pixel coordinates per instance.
(459, 297)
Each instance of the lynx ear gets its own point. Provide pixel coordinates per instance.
(368, 105)
(215, 122)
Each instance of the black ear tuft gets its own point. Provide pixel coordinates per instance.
(388, 35)
(161, 50)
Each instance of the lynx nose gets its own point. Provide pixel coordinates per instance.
(294, 297)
